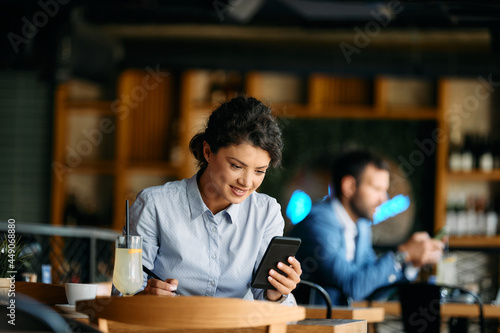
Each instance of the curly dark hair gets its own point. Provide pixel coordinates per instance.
(240, 120)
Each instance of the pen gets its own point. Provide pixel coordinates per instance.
(150, 273)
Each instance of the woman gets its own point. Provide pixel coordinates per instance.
(207, 234)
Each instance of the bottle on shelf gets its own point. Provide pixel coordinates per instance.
(486, 157)
(455, 158)
(471, 217)
(491, 219)
(468, 158)
(451, 216)
(461, 204)
(480, 228)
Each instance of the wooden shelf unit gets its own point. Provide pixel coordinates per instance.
(139, 125)
(319, 86)
(475, 241)
(476, 175)
(319, 96)
(444, 176)
(313, 96)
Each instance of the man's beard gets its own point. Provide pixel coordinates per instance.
(359, 210)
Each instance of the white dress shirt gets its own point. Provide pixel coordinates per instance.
(350, 229)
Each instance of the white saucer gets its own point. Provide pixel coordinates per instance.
(68, 308)
(70, 311)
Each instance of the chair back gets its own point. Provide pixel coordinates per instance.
(31, 315)
(305, 293)
(420, 307)
(421, 304)
(193, 312)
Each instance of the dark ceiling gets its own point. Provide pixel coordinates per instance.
(303, 13)
(96, 38)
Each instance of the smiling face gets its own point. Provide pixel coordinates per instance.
(232, 174)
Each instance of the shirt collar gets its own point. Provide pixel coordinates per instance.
(198, 207)
(344, 217)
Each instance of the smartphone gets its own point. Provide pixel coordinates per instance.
(279, 249)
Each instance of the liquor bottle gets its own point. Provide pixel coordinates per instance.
(471, 223)
(468, 162)
(486, 157)
(491, 220)
(480, 228)
(461, 215)
(451, 216)
(455, 158)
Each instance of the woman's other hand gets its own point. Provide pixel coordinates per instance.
(164, 288)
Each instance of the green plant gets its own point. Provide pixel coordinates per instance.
(10, 255)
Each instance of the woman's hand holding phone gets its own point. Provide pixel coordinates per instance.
(284, 284)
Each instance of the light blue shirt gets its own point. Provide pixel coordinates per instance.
(210, 255)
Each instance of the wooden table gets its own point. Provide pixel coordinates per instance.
(447, 309)
(304, 326)
(55, 294)
(197, 314)
(328, 326)
(370, 314)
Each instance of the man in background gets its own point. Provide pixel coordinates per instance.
(336, 250)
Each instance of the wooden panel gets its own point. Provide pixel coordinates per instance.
(45, 293)
(475, 241)
(149, 115)
(143, 128)
(447, 309)
(442, 150)
(305, 326)
(58, 165)
(475, 175)
(117, 327)
(371, 315)
(327, 91)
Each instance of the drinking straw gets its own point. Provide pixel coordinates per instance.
(126, 218)
(126, 223)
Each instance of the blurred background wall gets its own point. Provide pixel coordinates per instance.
(99, 99)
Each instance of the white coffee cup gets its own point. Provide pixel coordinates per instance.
(80, 291)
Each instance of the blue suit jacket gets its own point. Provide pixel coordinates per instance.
(323, 257)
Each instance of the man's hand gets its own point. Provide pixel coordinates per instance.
(284, 284)
(158, 287)
(422, 249)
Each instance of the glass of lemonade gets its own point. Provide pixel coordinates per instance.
(127, 273)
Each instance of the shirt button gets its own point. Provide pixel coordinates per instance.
(212, 283)
(213, 256)
(214, 229)
(392, 278)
